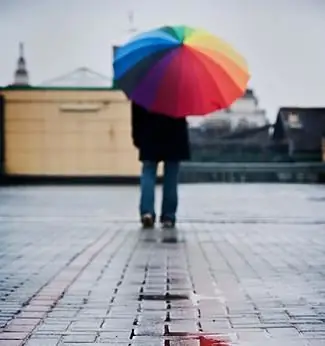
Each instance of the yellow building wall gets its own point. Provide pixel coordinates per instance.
(69, 132)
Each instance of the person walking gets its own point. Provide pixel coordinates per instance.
(159, 138)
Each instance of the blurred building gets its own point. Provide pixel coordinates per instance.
(299, 133)
(245, 145)
(243, 113)
(239, 133)
(74, 125)
(67, 132)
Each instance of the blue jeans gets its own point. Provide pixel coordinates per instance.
(170, 195)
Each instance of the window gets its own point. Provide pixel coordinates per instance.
(294, 120)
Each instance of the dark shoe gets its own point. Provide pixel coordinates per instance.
(147, 221)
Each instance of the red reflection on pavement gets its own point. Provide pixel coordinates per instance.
(209, 341)
(205, 340)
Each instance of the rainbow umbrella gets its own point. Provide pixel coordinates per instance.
(180, 71)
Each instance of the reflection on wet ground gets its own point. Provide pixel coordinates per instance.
(175, 279)
(166, 236)
(246, 267)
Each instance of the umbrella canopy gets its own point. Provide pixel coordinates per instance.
(180, 71)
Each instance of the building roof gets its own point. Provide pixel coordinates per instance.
(81, 77)
(304, 126)
(55, 88)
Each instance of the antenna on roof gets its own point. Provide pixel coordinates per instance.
(21, 49)
(132, 29)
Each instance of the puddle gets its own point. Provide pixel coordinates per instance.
(186, 339)
(206, 341)
(170, 236)
(162, 297)
(146, 267)
(195, 340)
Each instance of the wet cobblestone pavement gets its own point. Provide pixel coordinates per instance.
(246, 266)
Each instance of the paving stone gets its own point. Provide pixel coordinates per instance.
(148, 341)
(247, 261)
(79, 338)
(42, 342)
(114, 335)
(150, 329)
(10, 342)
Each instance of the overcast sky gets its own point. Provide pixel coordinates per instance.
(283, 40)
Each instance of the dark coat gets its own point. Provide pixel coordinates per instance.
(159, 137)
